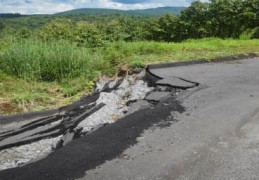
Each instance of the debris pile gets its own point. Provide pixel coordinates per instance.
(27, 141)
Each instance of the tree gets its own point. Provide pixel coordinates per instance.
(132, 28)
(167, 24)
(163, 28)
(57, 29)
(195, 20)
(115, 31)
(88, 34)
(249, 14)
(224, 17)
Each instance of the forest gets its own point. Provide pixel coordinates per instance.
(54, 59)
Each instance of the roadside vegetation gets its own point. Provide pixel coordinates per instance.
(57, 60)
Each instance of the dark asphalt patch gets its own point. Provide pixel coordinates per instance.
(70, 115)
(94, 149)
(91, 150)
(69, 123)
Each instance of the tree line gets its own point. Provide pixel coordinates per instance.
(216, 18)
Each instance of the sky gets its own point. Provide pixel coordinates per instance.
(54, 6)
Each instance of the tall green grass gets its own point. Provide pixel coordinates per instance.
(49, 61)
(33, 59)
(158, 52)
(36, 75)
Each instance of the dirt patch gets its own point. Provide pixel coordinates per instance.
(8, 108)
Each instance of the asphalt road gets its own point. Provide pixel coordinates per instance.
(209, 131)
(217, 137)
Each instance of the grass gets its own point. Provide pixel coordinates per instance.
(53, 61)
(36, 75)
(155, 52)
(19, 95)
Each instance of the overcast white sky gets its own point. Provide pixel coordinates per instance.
(53, 6)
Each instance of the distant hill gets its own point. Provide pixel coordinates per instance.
(143, 12)
(10, 15)
(87, 14)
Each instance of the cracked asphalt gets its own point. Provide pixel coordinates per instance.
(217, 137)
(209, 131)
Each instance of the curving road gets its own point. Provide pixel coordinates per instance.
(208, 131)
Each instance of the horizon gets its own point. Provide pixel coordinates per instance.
(99, 8)
(34, 7)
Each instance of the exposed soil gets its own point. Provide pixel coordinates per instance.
(8, 108)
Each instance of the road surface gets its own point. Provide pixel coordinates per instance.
(208, 131)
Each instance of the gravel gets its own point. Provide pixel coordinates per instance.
(131, 88)
(13, 157)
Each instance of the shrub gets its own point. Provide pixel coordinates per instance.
(250, 34)
(255, 33)
(56, 29)
(88, 34)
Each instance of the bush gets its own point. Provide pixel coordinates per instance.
(246, 35)
(57, 29)
(250, 34)
(255, 33)
(88, 34)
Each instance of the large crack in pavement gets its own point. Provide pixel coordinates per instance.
(135, 103)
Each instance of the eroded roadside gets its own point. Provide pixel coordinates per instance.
(28, 140)
(115, 151)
